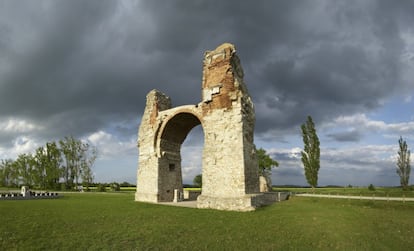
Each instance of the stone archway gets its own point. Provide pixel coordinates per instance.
(226, 113)
(168, 144)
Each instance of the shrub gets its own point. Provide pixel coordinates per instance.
(63, 187)
(371, 187)
(126, 184)
(115, 187)
(101, 188)
(198, 181)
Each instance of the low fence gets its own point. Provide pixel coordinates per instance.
(355, 197)
(28, 195)
(269, 198)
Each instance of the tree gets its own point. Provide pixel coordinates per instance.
(3, 174)
(126, 184)
(101, 187)
(311, 152)
(40, 162)
(371, 187)
(53, 163)
(49, 164)
(115, 186)
(88, 159)
(69, 147)
(25, 166)
(78, 159)
(7, 173)
(265, 162)
(403, 163)
(198, 180)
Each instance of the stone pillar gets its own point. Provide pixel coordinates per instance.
(177, 196)
(230, 172)
(25, 192)
(149, 161)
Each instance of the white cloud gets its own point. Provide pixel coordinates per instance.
(24, 144)
(293, 153)
(191, 162)
(15, 125)
(99, 137)
(358, 156)
(21, 144)
(109, 146)
(361, 122)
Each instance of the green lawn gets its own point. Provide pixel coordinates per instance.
(113, 221)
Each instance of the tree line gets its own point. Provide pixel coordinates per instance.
(58, 165)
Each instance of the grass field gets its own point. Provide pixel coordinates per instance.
(113, 221)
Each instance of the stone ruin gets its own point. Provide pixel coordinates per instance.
(226, 114)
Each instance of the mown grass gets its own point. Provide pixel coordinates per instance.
(113, 221)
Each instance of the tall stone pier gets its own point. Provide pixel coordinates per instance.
(226, 114)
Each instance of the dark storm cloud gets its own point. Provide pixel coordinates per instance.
(290, 171)
(76, 67)
(350, 67)
(349, 136)
(320, 59)
(45, 77)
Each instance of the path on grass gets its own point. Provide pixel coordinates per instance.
(355, 197)
(186, 203)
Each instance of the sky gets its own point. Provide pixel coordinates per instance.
(83, 68)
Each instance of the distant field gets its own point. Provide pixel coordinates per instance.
(92, 189)
(123, 189)
(364, 191)
(113, 221)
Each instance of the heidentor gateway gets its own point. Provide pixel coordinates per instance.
(226, 114)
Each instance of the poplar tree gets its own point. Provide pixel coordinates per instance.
(403, 163)
(311, 152)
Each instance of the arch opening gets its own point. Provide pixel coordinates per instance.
(175, 131)
(192, 155)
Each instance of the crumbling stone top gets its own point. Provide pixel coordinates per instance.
(223, 51)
